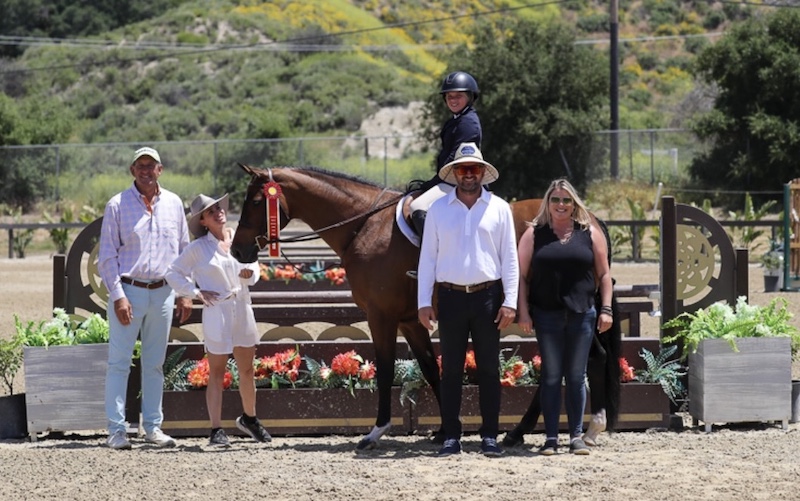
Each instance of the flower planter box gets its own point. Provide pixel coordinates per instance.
(13, 423)
(751, 385)
(642, 406)
(285, 411)
(65, 388)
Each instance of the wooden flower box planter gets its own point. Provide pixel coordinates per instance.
(285, 411)
(642, 406)
(751, 385)
(65, 388)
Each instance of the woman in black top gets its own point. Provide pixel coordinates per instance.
(563, 261)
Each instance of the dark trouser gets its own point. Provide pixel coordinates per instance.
(565, 339)
(462, 315)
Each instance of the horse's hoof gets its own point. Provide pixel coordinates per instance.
(366, 444)
(596, 426)
(513, 438)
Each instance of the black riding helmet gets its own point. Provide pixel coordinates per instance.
(460, 81)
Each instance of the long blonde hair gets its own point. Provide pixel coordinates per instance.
(580, 213)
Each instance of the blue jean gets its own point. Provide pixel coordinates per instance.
(152, 317)
(462, 316)
(564, 340)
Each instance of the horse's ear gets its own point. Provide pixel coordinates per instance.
(246, 168)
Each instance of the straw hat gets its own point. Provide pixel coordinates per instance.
(200, 204)
(468, 153)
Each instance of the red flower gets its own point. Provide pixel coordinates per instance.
(346, 364)
(537, 363)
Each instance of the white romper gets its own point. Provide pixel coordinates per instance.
(205, 265)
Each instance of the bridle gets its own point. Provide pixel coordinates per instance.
(263, 240)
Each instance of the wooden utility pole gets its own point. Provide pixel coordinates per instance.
(614, 61)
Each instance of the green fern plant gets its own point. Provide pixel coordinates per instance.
(720, 321)
(408, 375)
(663, 370)
(176, 370)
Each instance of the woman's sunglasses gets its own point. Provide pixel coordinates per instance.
(467, 170)
(560, 200)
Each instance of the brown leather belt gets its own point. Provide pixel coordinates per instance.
(145, 285)
(468, 288)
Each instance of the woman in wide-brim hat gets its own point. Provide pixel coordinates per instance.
(229, 326)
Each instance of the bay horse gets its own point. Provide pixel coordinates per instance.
(356, 219)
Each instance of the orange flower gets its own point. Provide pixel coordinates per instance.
(346, 364)
(508, 380)
(469, 361)
(198, 377)
(625, 371)
(367, 371)
(518, 369)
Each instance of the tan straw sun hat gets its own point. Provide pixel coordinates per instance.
(468, 153)
(200, 204)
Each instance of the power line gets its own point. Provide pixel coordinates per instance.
(300, 40)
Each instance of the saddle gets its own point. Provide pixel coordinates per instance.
(403, 217)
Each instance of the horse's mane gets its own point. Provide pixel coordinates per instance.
(337, 175)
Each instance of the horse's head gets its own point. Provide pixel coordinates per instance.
(253, 220)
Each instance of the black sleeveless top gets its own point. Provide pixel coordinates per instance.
(562, 275)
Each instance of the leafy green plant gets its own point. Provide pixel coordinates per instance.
(62, 330)
(10, 361)
(747, 236)
(663, 370)
(636, 232)
(22, 238)
(720, 321)
(60, 236)
(772, 260)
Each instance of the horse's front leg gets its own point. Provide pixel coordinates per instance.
(384, 340)
(419, 340)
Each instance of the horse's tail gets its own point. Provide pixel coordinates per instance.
(606, 351)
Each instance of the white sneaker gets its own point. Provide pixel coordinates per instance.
(118, 440)
(159, 438)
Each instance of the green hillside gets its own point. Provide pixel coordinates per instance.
(248, 69)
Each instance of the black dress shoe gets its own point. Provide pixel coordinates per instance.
(451, 446)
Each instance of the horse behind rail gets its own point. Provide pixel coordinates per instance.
(356, 219)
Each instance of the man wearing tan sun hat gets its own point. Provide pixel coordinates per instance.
(469, 251)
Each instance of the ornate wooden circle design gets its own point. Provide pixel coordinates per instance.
(695, 264)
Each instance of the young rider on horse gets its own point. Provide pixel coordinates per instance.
(459, 91)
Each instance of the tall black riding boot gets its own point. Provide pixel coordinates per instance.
(418, 221)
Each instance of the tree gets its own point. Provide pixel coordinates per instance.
(542, 98)
(754, 127)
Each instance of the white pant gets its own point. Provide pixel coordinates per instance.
(424, 201)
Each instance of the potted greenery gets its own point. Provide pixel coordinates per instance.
(740, 361)
(13, 423)
(772, 262)
(65, 370)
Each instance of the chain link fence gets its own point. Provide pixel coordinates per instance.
(91, 173)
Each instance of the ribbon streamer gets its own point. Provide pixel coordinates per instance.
(272, 191)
